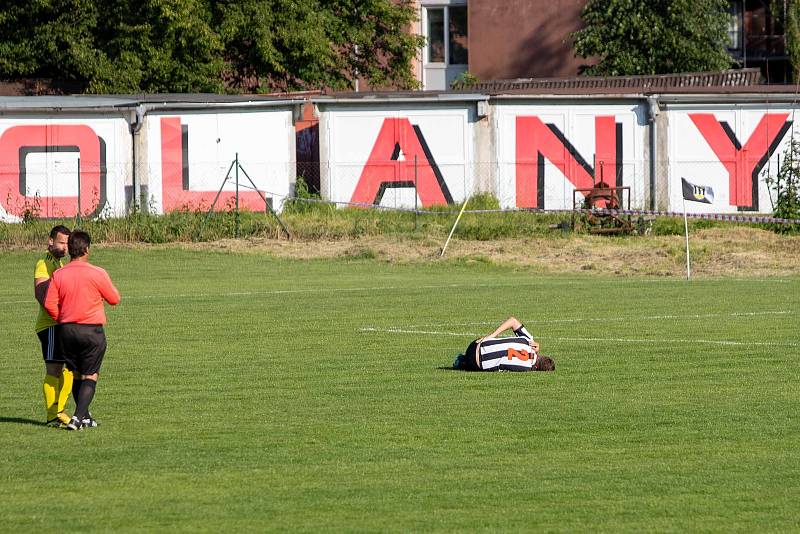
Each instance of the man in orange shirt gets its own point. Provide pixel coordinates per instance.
(75, 299)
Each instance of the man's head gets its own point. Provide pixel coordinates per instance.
(57, 243)
(78, 244)
(544, 363)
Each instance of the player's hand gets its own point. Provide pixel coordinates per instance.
(534, 346)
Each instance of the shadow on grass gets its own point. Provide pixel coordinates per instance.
(21, 421)
(449, 368)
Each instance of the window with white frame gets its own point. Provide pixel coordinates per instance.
(446, 32)
(735, 25)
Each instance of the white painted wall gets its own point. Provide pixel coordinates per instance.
(349, 136)
(50, 176)
(577, 123)
(264, 141)
(691, 155)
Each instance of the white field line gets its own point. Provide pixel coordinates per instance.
(592, 339)
(374, 288)
(618, 318)
(289, 292)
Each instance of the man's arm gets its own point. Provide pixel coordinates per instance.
(108, 291)
(51, 300)
(511, 323)
(40, 286)
(41, 279)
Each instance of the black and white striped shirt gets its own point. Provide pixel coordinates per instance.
(508, 353)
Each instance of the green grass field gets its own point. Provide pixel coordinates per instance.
(242, 392)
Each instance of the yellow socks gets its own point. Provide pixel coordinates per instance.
(56, 393)
(50, 387)
(64, 388)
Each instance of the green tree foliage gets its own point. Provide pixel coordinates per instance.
(787, 15)
(131, 46)
(290, 45)
(630, 37)
(786, 185)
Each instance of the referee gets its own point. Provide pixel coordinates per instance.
(75, 299)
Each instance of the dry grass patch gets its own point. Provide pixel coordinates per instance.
(716, 252)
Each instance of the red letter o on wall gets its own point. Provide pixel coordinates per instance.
(19, 141)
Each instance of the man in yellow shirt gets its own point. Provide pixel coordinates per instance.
(57, 378)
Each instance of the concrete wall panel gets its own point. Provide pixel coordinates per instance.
(39, 159)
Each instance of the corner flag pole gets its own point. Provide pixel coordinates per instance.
(453, 229)
(686, 229)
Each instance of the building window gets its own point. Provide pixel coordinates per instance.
(436, 35)
(735, 25)
(458, 35)
(447, 34)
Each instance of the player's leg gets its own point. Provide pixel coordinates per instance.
(91, 358)
(64, 388)
(54, 363)
(85, 397)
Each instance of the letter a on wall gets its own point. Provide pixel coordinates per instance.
(385, 169)
(537, 141)
(743, 163)
(17, 142)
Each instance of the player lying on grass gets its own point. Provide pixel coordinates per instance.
(492, 353)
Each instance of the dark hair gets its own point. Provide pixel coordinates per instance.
(78, 243)
(545, 363)
(60, 229)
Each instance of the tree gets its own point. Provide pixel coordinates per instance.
(132, 46)
(631, 37)
(314, 44)
(786, 185)
(787, 14)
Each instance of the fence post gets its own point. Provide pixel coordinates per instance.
(236, 232)
(416, 211)
(78, 215)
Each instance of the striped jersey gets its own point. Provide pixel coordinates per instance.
(508, 353)
(44, 269)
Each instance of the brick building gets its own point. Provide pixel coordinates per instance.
(509, 39)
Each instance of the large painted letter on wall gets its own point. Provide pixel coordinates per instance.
(743, 163)
(16, 190)
(383, 169)
(176, 193)
(546, 151)
(730, 148)
(537, 141)
(398, 157)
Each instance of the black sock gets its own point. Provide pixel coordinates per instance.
(85, 396)
(76, 386)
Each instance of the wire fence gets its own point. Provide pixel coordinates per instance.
(55, 188)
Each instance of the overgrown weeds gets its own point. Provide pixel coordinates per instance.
(308, 218)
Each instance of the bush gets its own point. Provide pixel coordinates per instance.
(786, 185)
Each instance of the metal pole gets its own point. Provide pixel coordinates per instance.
(686, 229)
(236, 234)
(78, 216)
(216, 198)
(416, 212)
(267, 207)
(453, 229)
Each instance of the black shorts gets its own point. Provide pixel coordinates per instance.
(470, 357)
(51, 345)
(84, 346)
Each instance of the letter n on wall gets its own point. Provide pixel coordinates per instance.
(537, 141)
(19, 141)
(175, 190)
